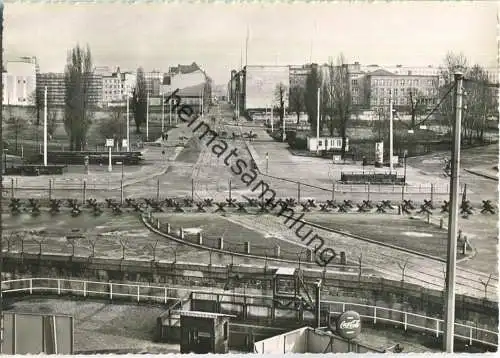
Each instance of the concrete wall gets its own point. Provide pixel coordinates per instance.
(337, 287)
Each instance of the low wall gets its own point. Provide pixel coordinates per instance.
(337, 286)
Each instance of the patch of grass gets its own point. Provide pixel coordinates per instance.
(400, 231)
(213, 227)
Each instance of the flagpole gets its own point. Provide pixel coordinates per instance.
(147, 119)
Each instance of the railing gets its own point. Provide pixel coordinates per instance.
(163, 295)
(414, 320)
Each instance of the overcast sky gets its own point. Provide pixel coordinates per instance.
(157, 36)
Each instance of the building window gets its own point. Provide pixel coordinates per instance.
(395, 92)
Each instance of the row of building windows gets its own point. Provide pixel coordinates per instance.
(402, 82)
(403, 91)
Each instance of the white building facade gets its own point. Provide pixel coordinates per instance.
(19, 82)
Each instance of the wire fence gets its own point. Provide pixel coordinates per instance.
(220, 190)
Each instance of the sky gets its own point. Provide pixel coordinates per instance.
(160, 35)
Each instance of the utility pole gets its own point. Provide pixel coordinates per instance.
(147, 119)
(449, 319)
(317, 122)
(128, 124)
(1, 180)
(163, 113)
(284, 122)
(272, 120)
(169, 113)
(44, 128)
(390, 132)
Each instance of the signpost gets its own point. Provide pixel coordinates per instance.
(109, 144)
(349, 326)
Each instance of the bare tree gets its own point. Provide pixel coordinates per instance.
(485, 284)
(16, 125)
(417, 106)
(153, 249)
(280, 97)
(342, 100)
(92, 244)
(113, 127)
(123, 244)
(313, 82)
(403, 269)
(297, 100)
(360, 265)
(77, 113)
(480, 104)
(71, 241)
(51, 122)
(452, 63)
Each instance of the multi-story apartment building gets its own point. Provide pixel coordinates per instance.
(56, 88)
(153, 81)
(404, 86)
(112, 87)
(183, 76)
(19, 82)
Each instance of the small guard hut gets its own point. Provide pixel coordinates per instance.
(204, 332)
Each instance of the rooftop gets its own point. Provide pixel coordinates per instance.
(199, 314)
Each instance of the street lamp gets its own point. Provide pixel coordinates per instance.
(5, 150)
(405, 154)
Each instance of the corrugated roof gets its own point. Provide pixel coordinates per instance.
(191, 91)
(200, 314)
(285, 271)
(381, 72)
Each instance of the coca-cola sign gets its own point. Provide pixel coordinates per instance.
(349, 325)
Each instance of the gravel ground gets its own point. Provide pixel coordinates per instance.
(103, 326)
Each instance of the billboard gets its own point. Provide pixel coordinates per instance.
(261, 83)
(29, 333)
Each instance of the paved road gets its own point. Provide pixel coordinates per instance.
(387, 261)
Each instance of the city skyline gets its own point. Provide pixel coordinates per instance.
(306, 33)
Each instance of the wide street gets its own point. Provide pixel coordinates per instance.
(195, 170)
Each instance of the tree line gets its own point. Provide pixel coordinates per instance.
(337, 105)
(79, 110)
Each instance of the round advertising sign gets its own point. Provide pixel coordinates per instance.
(349, 325)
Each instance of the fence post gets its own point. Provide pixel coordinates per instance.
(247, 247)
(437, 327)
(12, 187)
(229, 189)
(121, 192)
(298, 192)
(50, 189)
(165, 295)
(374, 314)
(192, 189)
(158, 189)
(333, 191)
(110, 291)
(84, 288)
(470, 336)
(432, 192)
(368, 191)
(403, 192)
(406, 321)
(59, 286)
(138, 293)
(31, 286)
(84, 191)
